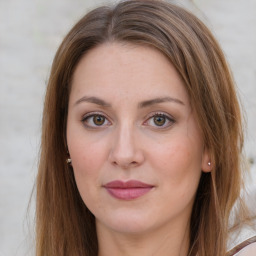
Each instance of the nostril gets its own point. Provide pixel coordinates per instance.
(126, 165)
(115, 163)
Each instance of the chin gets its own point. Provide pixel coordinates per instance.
(128, 223)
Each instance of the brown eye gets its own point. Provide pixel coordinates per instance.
(159, 120)
(98, 120)
(95, 121)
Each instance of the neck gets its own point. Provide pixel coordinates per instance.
(164, 242)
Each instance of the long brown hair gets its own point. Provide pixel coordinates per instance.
(64, 225)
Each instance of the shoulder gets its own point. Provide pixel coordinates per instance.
(246, 248)
(249, 250)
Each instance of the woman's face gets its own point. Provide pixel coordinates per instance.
(136, 148)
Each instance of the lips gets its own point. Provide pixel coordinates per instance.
(128, 190)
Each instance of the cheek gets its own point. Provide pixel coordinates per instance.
(87, 162)
(179, 161)
(86, 151)
(86, 157)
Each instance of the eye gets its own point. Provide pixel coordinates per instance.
(95, 120)
(160, 120)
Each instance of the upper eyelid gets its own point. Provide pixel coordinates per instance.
(160, 113)
(148, 116)
(95, 113)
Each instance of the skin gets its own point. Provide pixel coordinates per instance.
(250, 250)
(166, 151)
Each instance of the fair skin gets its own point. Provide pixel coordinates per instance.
(129, 118)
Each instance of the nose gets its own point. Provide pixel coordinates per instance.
(125, 151)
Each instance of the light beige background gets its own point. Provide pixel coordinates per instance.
(30, 32)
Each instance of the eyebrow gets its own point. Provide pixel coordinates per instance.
(142, 104)
(94, 100)
(148, 103)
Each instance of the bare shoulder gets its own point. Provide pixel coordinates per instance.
(249, 250)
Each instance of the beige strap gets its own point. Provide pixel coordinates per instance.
(241, 246)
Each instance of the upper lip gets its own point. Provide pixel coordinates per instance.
(127, 184)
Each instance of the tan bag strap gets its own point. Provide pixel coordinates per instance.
(241, 246)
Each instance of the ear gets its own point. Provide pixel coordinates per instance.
(207, 163)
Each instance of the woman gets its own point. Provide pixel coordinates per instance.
(142, 138)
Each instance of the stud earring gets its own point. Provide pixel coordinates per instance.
(68, 160)
(209, 163)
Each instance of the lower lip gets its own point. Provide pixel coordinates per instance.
(128, 193)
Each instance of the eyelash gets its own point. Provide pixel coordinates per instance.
(167, 119)
(91, 115)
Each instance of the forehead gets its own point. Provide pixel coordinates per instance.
(115, 69)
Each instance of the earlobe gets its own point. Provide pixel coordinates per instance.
(206, 162)
(207, 167)
(68, 159)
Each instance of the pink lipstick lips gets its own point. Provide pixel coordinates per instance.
(128, 190)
